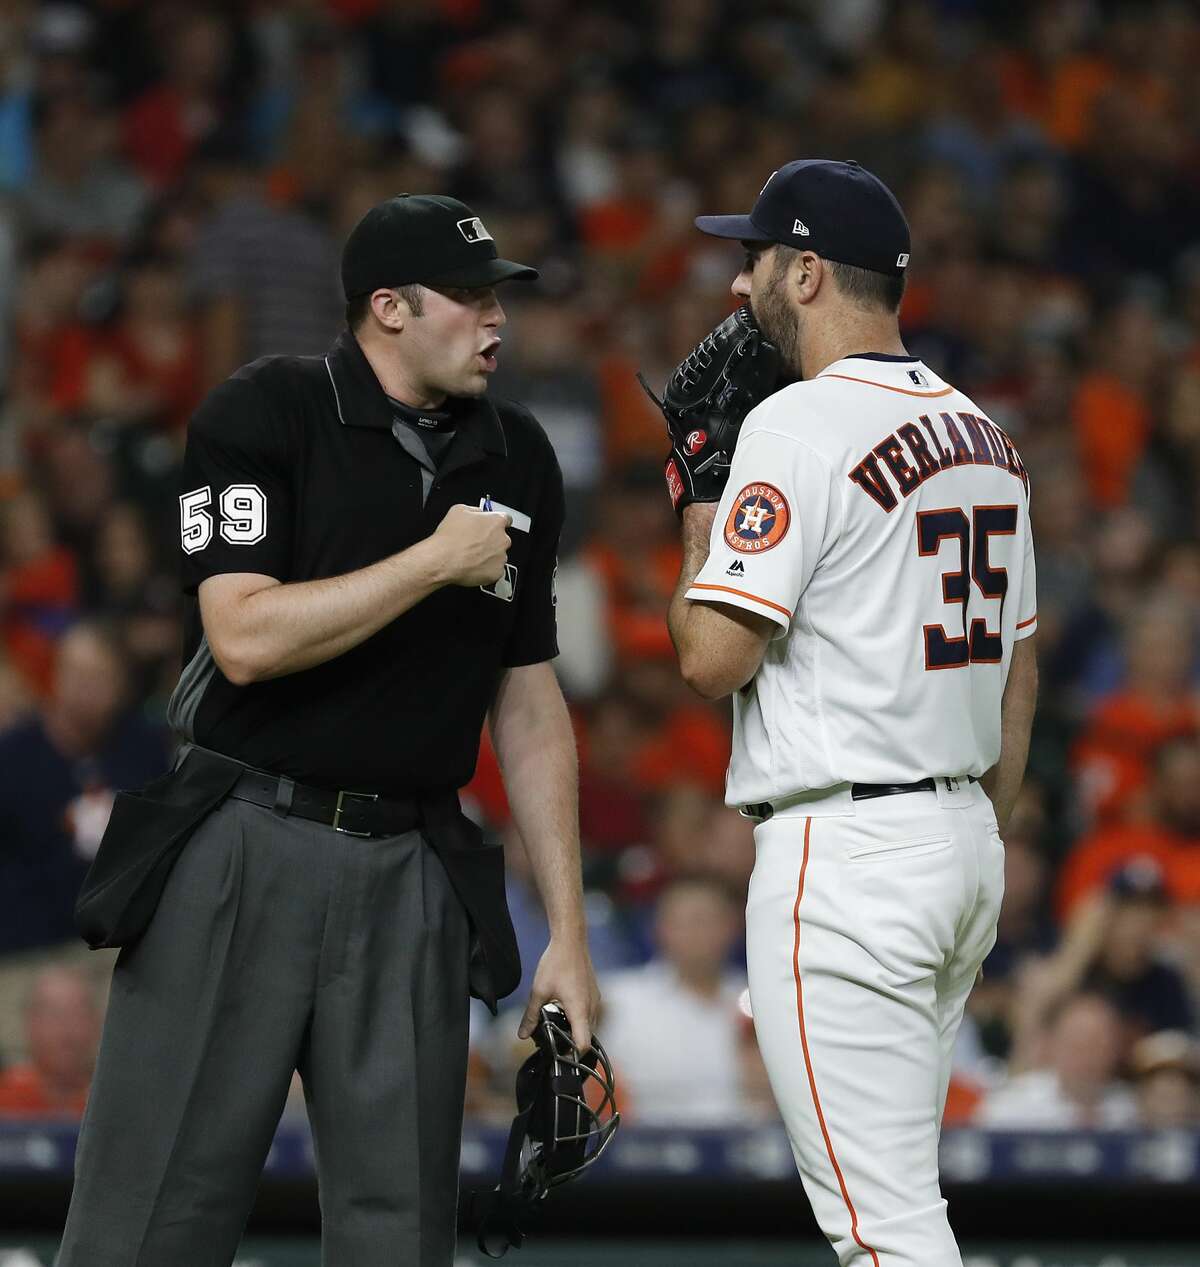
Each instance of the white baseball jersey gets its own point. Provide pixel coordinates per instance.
(882, 522)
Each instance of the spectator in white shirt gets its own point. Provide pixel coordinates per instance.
(1076, 1087)
(671, 1026)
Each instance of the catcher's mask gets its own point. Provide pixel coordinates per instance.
(556, 1134)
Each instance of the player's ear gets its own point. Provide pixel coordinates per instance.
(807, 276)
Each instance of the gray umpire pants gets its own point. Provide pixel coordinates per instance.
(280, 944)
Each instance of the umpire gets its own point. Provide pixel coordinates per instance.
(372, 543)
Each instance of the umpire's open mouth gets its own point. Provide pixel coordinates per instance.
(488, 355)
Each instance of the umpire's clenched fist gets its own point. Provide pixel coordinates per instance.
(473, 545)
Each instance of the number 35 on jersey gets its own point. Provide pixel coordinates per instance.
(242, 514)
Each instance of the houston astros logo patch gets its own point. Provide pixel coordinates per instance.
(759, 519)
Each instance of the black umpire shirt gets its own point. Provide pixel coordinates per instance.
(299, 468)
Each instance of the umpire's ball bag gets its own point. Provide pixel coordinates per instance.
(145, 835)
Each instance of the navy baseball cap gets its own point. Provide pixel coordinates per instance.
(839, 210)
(426, 238)
(1140, 879)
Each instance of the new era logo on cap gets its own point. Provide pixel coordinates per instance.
(902, 260)
(801, 228)
(472, 229)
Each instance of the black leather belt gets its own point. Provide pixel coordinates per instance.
(868, 791)
(859, 792)
(352, 813)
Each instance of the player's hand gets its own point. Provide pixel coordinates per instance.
(473, 545)
(565, 975)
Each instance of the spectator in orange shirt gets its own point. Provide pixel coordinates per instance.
(688, 741)
(62, 1033)
(1169, 834)
(1052, 77)
(636, 554)
(1112, 408)
(642, 233)
(1113, 756)
(1052, 83)
(653, 341)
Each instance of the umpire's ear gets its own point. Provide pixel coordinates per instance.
(390, 308)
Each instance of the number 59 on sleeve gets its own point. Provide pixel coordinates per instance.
(243, 509)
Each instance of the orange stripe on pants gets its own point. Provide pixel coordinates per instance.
(812, 1082)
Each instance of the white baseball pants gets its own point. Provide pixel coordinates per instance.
(867, 922)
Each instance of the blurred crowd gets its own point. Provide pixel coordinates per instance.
(175, 183)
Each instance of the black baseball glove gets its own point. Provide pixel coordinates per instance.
(705, 402)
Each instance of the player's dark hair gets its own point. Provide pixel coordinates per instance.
(866, 287)
(358, 307)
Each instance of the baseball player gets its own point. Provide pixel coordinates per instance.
(371, 544)
(860, 577)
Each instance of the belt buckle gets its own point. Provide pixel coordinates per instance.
(337, 812)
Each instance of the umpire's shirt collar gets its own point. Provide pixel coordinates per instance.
(362, 402)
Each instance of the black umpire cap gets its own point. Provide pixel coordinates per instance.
(426, 238)
(839, 210)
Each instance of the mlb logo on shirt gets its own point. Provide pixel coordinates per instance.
(472, 229)
(504, 587)
(918, 378)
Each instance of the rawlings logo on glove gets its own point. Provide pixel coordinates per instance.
(705, 402)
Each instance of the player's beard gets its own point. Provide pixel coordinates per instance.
(779, 321)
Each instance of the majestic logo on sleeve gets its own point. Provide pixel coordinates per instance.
(759, 519)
